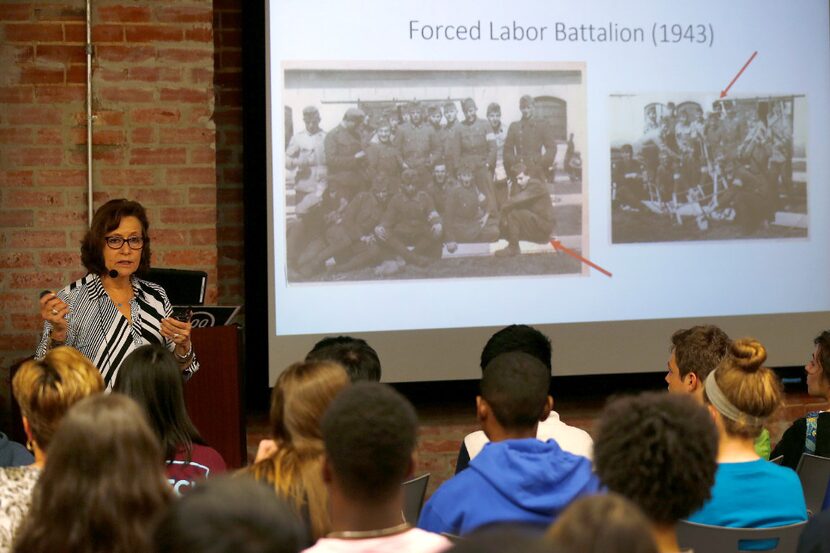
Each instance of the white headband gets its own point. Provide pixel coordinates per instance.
(724, 406)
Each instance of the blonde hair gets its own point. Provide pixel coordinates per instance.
(45, 389)
(295, 470)
(752, 388)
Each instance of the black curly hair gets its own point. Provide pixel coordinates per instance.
(370, 431)
(658, 450)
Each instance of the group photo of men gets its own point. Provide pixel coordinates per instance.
(466, 173)
(702, 167)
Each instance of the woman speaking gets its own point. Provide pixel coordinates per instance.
(110, 312)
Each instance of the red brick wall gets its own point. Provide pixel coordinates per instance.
(155, 140)
(227, 40)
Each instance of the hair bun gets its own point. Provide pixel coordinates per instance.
(748, 354)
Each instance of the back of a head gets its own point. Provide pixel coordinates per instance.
(823, 343)
(358, 358)
(151, 376)
(309, 389)
(230, 515)
(515, 385)
(754, 391)
(517, 338)
(504, 538)
(103, 484)
(606, 523)
(370, 432)
(659, 451)
(46, 389)
(699, 349)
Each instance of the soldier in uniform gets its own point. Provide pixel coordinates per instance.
(627, 178)
(345, 155)
(446, 141)
(478, 151)
(306, 154)
(528, 213)
(498, 133)
(440, 186)
(415, 144)
(384, 157)
(466, 218)
(306, 235)
(530, 141)
(411, 220)
(352, 242)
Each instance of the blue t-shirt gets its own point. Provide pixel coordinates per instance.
(753, 494)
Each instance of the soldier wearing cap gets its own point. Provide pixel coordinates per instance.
(384, 156)
(498, 133)
(446, 140)
(530, 140)
(411, 220)
(307, 156)
(465, 216)
(414, 142)
(478, 151)
(345, 155)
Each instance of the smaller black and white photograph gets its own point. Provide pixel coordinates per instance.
(694, 166)
(398, 171)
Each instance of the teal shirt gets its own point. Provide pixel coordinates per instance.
(753, 494)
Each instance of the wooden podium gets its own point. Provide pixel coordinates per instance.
(214, 396)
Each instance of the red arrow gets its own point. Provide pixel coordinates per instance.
(557, 245)
(752, 57)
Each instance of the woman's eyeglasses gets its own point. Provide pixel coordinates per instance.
(116, 242)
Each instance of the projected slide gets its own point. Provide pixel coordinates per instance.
(439, 173)
(468, 164)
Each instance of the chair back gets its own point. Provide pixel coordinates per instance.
(814, 473)
(721, 539)
(777, 460)
(413, 498)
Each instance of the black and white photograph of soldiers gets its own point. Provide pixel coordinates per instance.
(700, 167)
(439, 172)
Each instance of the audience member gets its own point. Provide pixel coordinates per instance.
(45, 390)
(528, 340)
(225, 515)
(301, 395)
(810, 434)
(370, 432)
(749, 492)
(602, 524)
(103, 486)
(516, 478)
(695, 353)
(358, 358)
(816, 535)
(150, 376)
(658, 450)
(504, 540)
(13, 454)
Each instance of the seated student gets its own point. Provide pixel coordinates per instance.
(103, 487)
(465, 215)
(45, 390)
(355, 355)
(13, 454)
(528, 340)
(516, 478)
(370, 432)
(695, 353)
(816, 535)
(606, 523)
(411, 220)
(300, 397)
(810, 434)
(229, 515)
(657, 450)
(749, 492)
(527, 214)
(150, 376)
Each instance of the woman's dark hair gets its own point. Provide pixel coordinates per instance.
(151, 377)
(102, 488)
(106, 219)
(823, 343)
